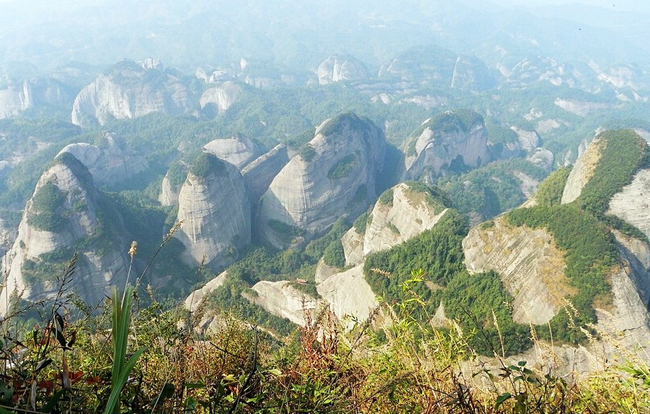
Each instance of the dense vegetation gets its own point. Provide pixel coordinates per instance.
(590, 254)
(492, 189)
(623, 153)
(550, 190)
(430, 267)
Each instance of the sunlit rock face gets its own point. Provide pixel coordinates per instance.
(341, 68)
(238, 150)
(452, 141)
(218, 99)
(109, 163)
(215, 213)
(65, 215)
(332, 176)
(17, 97)
(128, 91)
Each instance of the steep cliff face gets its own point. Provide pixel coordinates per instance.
(333, 176)
(454, 140)
(63, 217)
(238, 150)
(341, 68)
(582, 171)
(348, 294)
(215, 213)
(259, 174)
(284, 300)
(632, 203)
(129, 91)
(439, 67)
(218, 99)
(17, 97)
(531, 267)
(110, 163)
(393, 220)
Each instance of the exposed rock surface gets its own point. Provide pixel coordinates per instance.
(260, 173)
(451, 140)
(284, 300)
(333, 176)
(531, 267)
(218, 99)
(194, 301)
(168, 194)
(433, 66)
(580, 108)
(582, 171)
(528, 140)
(341, 68)
(215, 213)
(348, 293)
(238, 150)
(632, 204)
(542, 158)
(409, 213)
(61, 218)
(352, 242)
(129, 91)
(17, 97)
(110, 163)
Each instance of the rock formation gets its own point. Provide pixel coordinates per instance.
(438, 67)
(238, 150)
(218, 99)
(17, 97)
(531, 267)
(333, 176)
(409, 212)
(215, 213)
(61, 218)
(109, 163)
(260, 173)
(453, 140)
(127, 91)
(340, 68)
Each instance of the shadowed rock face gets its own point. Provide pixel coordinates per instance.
(333, 176)
(260, 173)
(61, 218)
(129, 91)
(450, 141)
(215, 213)
(109, 164)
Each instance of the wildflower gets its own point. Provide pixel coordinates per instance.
(134, 249)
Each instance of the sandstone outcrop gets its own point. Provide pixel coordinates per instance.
(61, 218)
(531, 267)
(215, 213)
(452, 140)
(259, 174)
(17, 97)
(218, 99)
(129, 91)
(582, 171)
(341, 68)
(433, 66)
(632, 204)
(348, 294)
(109, 163)
(393, 221)
(333, 176)
(284, 300)
(238, 150)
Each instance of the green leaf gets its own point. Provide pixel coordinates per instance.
(502, 398)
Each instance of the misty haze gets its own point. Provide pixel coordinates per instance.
(299, 206)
